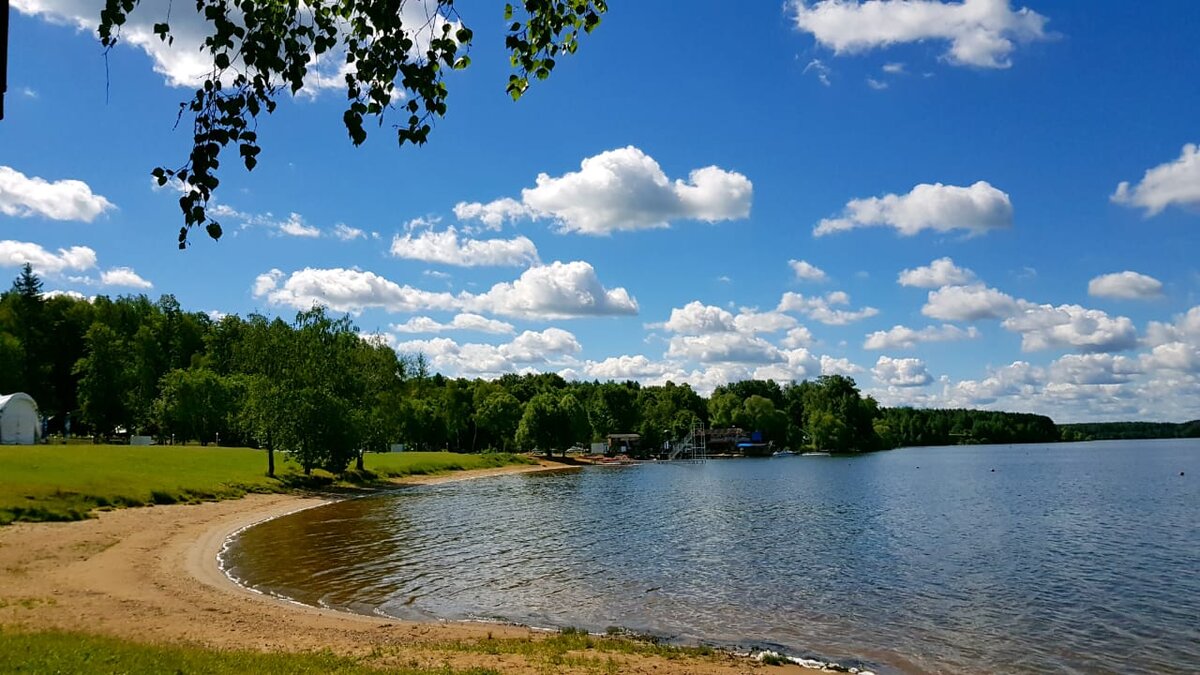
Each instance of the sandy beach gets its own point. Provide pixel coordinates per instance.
(151, 575)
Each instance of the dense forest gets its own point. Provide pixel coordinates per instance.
(1104, 431)
(315, 388)
(908, 426)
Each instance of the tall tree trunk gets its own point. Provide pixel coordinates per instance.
(358, 461)
(270, 461)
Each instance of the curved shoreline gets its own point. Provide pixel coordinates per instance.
(151, 575)
(227, 535)
(204, 559)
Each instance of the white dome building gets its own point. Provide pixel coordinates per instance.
(19, 424)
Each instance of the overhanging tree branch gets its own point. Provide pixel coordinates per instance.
(262, 48)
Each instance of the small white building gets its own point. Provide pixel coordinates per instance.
(19, 423)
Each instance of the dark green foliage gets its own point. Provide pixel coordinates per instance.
(497, 414)
(613, 408)
(768, 389)
(540, 426)
(12, 363)
(1101, 431)
(103, 375)
(197, 403)
(908, 427)
(668, 413)
(263, 49)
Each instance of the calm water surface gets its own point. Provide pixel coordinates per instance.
(1066, 558)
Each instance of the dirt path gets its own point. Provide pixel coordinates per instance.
(151, 575)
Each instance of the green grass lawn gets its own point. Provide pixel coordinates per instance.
(66, 482)
(400, 464)
(54, 652)
(62, 652)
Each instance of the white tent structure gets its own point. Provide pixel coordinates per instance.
(18, 420)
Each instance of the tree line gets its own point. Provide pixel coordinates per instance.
(317, 389)
(1105, 431)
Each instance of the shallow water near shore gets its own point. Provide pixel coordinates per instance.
(1024, 558)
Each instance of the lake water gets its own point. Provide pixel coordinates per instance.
(1024, 558)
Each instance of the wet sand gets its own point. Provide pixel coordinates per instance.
(151, 575)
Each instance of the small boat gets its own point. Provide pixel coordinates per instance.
(783, 453)
(815, 454)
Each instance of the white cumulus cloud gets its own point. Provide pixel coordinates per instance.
(1093, 369)
(555, 291)
(494, 214)
(797, 364)
(838, 366)
(447, 248)
(24, 196)
(463, 322)
(1125, 285)
(1185, 328)
(347, 290)
(753, 322)
(1071, 327)
(981, 33)
(75, 258)
(901, 372)
(624, 367)
(902, 337)
(940, 272)
(346, 233)
(977, 209)
(76, 295)
(797, 337)
(824, 308)
(1018, 379)
(553, 346)
(1175, 183)
(1180, 356)
(806, 271)
(622, 189)
(697, 318)
(124, 276)
(969, 303)
(295, 226)
(722, 348)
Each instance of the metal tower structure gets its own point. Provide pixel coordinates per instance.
(694, 447)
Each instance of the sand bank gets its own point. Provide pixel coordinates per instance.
(151, 575)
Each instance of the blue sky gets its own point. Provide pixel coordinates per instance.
(926, 196)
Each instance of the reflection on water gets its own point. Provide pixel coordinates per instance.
(1068, 558)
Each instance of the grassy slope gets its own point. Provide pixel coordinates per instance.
(65, 482)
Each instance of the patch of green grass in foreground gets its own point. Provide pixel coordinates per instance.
(66, 482)
(60, 652)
